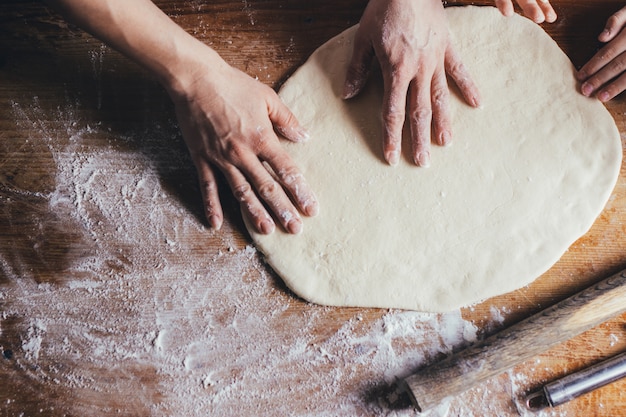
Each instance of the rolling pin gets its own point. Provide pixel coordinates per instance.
(518, 343)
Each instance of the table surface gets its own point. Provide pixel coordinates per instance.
(116, 298)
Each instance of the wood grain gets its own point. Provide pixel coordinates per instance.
(518, 343)
(57, 82)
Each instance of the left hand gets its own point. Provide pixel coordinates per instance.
(538, 11)
(605, 74)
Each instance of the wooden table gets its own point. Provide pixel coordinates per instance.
(115, 298)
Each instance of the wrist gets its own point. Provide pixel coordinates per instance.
(187, 66)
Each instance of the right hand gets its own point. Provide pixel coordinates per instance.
(411, 42)
(228, 121)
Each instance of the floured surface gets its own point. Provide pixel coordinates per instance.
(145, 319)
(116, 300)
(526, 176)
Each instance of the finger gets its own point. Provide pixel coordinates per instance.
(462, 78)
(610, 71)
(394, 104)
(250, 204)
(420, 118)
(548, 10)
(440, 98)
(281, 163)
(284, 121)
(614, 25)
(271, 193)
(359, 67)
(210, 196)
(505, 7)
(612, 89)
(293, 182)
(602, 58)
(532, 10)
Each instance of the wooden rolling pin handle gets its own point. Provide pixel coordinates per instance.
(518, 343)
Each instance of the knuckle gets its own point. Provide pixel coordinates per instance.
(234, 151)
(208, 187)
(608, 52)
(210, 206)
(456, 68)
(617, 65)
(400, 70)
(268, 190)
(243, 192)
(422, 114)
(393, 117)
(290, 175)
(614, 20)
(439, 96)
(290, 119)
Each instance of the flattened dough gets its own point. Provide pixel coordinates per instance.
(526, 175)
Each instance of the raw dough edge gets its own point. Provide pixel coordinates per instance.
(351, 256)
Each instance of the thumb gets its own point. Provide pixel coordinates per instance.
(359, 67)
(285, 121)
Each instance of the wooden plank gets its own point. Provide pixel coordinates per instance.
(115, 298)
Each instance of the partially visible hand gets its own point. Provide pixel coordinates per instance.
(604, 75)
(228, 121)
(538, 11)
(410, 39)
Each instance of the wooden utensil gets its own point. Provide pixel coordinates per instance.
(520, 342)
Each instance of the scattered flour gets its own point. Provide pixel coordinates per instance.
(217, 333)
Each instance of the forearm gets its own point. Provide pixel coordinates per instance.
(141, 31)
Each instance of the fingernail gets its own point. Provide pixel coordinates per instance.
(266, 227)
(294, 226)
(311, 208)
(586, 89)
(393, 157)
(445, 138)
(604, 97)
(423, 159)
(215, 222)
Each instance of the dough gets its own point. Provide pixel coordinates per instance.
(526, 175)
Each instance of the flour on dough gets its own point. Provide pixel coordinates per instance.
(526, 175)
